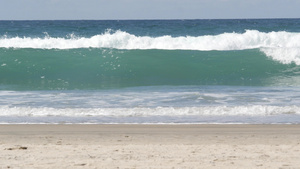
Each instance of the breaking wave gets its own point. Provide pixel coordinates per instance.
(281, 46)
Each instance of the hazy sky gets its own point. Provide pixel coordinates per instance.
(147, 9)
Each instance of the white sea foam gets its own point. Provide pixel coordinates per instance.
(256, 110)
(282, 46)
(284, 55)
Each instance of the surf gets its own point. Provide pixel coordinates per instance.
(250, 39)
(281, 46)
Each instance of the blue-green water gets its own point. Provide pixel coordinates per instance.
(160, 71)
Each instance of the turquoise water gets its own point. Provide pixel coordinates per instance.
(52, 69)
(160, 71)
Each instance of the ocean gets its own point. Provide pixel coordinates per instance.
(244, 71)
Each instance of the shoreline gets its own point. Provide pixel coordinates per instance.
(150, 146)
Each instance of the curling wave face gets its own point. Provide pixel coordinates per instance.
(52, 69)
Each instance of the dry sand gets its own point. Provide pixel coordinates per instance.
(150, 146)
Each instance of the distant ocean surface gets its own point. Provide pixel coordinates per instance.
(150, 71)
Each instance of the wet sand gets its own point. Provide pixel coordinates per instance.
(150, 146)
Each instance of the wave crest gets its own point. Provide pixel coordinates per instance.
(281, 46)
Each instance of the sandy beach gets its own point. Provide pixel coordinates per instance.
(150, 146)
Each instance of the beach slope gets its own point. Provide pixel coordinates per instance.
(149, 146)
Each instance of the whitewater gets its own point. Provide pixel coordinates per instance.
(153, 71)
(282, 46)
(252, 105)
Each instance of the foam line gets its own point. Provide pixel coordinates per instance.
(257, 110)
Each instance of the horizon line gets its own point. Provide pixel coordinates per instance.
(139, 19)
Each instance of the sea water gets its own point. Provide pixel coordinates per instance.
(150, 71)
